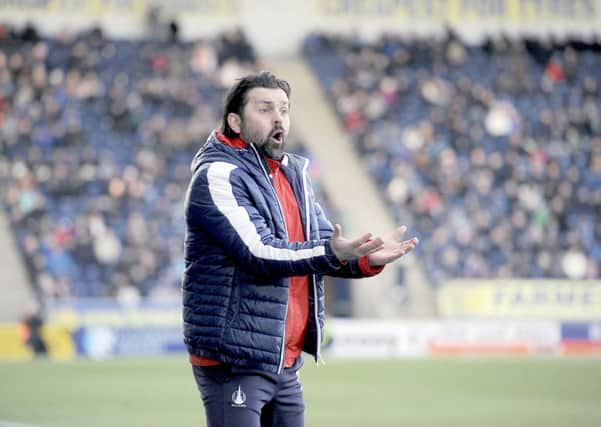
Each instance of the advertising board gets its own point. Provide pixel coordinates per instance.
(390, 339)
(521, 299)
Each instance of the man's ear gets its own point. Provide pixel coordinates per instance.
(235, 122)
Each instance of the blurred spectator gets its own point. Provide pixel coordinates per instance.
(493, 151)
(32, 324)
(234, 44)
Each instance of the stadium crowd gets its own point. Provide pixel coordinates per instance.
(96, 140)
(492, 151)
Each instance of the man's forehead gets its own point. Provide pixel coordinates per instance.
(268, 95)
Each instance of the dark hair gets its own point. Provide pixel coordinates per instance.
(236, 98)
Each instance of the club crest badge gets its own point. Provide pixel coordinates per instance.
(239, 398)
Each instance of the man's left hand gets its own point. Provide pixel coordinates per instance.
(393, 248)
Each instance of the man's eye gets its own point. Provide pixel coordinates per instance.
(284, 111)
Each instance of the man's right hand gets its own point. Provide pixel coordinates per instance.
(346, 250)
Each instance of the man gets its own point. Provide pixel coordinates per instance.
(257, 245)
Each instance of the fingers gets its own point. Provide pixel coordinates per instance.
(398, 233)
(337, 231)
(413, 242)
(392, 250)
(369, 247)
(408, 245)
(402, 249)
(345, 249)
(361, 240)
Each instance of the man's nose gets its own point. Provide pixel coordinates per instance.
(277, 117)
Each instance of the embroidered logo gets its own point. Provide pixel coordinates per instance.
(239, 398)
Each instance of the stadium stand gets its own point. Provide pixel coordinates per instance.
(96, 139)
(492, 151)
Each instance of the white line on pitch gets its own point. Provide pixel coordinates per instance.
(4, 423)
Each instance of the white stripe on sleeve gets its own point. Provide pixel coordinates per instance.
(222, 194)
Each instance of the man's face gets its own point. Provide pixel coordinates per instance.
(265, 120)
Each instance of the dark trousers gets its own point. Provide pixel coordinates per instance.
(235, 397)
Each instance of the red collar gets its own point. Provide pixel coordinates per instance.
(274, 165)
(238, 142)
(233, 142)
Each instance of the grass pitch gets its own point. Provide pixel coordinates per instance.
(534, 392)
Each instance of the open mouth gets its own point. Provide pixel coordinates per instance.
(278, 136)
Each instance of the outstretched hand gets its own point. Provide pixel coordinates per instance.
(392, 248)
(346, 250)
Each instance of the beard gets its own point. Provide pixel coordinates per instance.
(265, 144)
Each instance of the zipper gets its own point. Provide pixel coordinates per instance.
(283, 345)
(306, 195)
(272, 187)
(314, 282)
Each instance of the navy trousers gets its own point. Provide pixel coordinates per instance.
(235, 397)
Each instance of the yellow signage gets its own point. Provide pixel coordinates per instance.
(133, 317)
(12, 343)
(541, 299)
(13, 347)
(465, 10)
